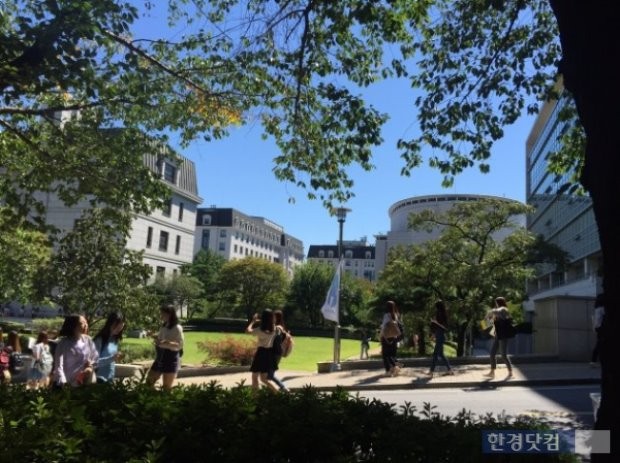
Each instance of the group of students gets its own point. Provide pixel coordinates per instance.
(76, 359)
(391, 333)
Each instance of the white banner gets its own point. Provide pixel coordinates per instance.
(330, 309)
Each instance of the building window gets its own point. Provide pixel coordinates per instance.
(368, 254)
(321, 253)
(174, 272)
(206, 219)
(163, 241)
(170, 172)
(181, 210)
(330, 254)
(222, 246)
(160, 272)
(235, 248)
(149, 237)
(206, 235)
(348, 254)
(222, 233)
(177, 246)
(167, 209)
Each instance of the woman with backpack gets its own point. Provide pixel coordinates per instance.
(281, 334)
(39, 374)
(168, 348)
(5, 361)
(106, 341)
(263, 361)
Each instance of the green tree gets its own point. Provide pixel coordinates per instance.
(184, 291)
(206, 268)
(253, 284)
(477, 63)
(92, 272)
(24, 255)
(481, 253)
(308, 289)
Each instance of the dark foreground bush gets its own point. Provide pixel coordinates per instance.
(131, 423)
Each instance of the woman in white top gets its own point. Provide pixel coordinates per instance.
(390, 333)
(168, 347)
(264, 361)
(39, 374)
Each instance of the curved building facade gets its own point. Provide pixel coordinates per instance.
(399, 213)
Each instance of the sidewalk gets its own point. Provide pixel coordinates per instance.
(413, 377)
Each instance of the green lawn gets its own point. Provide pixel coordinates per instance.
(306, 352)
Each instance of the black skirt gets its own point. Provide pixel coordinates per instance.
(166, 361)
(264, 361)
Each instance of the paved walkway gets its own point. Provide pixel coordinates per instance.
(413, 377)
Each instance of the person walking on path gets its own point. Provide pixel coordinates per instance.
(597, 322)
(263, 361)
(390, 333)
(502, 323)
(107, 341)
(439, 324)
(75, 355)
(168, 347)
(281, 333)
(365, 345)
(39, 374)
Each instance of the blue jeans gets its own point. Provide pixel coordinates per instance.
(440, 339)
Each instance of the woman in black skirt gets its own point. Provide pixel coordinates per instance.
(264, 360)
(168, 345)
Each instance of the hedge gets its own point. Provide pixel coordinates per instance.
(133, 423)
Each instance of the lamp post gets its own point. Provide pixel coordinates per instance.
(341, 215)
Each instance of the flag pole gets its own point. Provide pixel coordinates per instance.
(336, 363)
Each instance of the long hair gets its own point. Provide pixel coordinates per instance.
(266, 321)
(106, 332)
(173, 320)
(13, 341)
(442, 312)
(500, 301)
(42, 337)
(69, 326)
(278, 318)
(390, 307)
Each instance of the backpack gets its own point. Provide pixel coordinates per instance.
(391, 330)
(277, 342)
(47, 359)
(16, 363)
(287, 345)
(5, 360)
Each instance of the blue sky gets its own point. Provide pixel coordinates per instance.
(237, 171)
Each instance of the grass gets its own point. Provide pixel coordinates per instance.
(307, 351)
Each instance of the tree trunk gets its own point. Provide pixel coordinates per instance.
(590, 47)
(460, 338)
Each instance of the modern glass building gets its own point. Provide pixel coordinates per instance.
(561, 299)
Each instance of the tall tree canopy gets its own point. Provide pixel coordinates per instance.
(297, 66)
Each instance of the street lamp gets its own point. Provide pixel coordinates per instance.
(341, 215)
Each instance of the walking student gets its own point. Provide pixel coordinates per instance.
(390, 333)
(168, 347)
(39, 374)
(263, 361)
(500, 316)
(107, 341)
(439, 324)
(281, 333)
(597, 322)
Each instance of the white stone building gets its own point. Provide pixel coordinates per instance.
(235, 235)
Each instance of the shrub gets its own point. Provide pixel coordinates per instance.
(11, 326)
(48, 324)
(228, 351)
(134, 423)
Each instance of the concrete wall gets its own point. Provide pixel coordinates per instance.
(563, 326)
